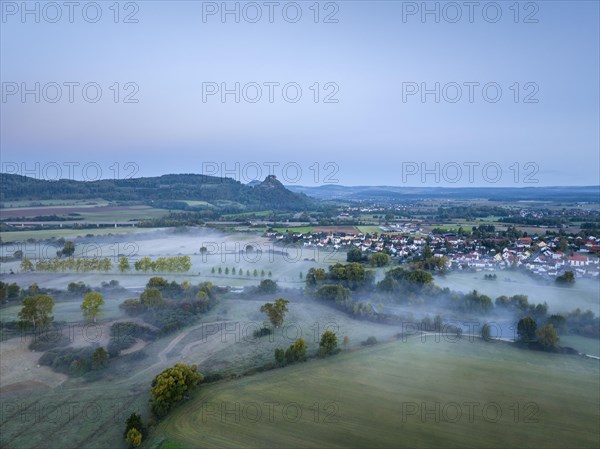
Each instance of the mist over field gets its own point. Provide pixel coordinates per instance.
(299, 225)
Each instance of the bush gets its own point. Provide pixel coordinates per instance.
(369, 341)
(73, 361)
(47, 341)
(78, 288)
(328, 344)
(296, 352)
(215, 377)
(280, 356)
(262, 332)
(267, 286)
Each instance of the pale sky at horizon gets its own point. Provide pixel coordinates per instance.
(377, 133)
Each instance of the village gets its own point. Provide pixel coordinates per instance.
(549, 256)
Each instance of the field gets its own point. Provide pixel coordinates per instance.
(285, 263)
(40, 203)
(302, 229)
(87, 213)
(44, 234)
(378, 397)
(369, 229)
(367, 385)
(99, 406)
(346, 229)
(582, 344)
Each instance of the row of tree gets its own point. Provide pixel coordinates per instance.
(68, 264)
(173, 264)
(240, 272)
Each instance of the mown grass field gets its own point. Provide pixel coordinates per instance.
(365, 396)
(589, 346)
(302, 229)
(369, 229)
(44, 234)
(38, 203)
(86, 213)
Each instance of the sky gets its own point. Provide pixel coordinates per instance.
(347, 92)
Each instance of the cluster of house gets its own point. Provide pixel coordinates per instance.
(407, 242)
(538, 256)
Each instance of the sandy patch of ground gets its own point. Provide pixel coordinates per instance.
(19, 368)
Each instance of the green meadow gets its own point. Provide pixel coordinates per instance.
(401, 394)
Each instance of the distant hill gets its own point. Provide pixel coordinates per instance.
(395, 193)
(161, 191)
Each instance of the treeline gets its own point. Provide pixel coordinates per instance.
(533, 221)
(173, 264)
(470, 212)
(69, 264)
(167, 188)
(416, 287)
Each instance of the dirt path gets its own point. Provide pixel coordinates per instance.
(163, 355)
(139, 344)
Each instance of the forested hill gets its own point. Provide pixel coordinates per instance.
(161, 190)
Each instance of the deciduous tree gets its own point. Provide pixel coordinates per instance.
(91, 305)
(276, 311)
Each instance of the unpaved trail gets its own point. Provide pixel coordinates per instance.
(163, 355)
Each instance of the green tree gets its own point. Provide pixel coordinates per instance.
(314, 277)
(328, 343)
(354, 254)
(333, 292)
(267, 286)
(526, 329)
(134, 437)
(427, 253)
(567, 278)
(171, 386)
(36, 310)
(91, 305)
(563, 245)
(279, 356)
(33, 290)
(99, 358)
(135, 421)
(379, 259)
(486, 332)
(548, 337)
(123, 264)
(152, 298)
(297, 351)
(69, 249)
(144, 264)
(276, 311)
(220, 270)
(226, 270)
(26, 264)
(558, 321)
(157, 282)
